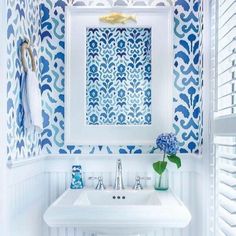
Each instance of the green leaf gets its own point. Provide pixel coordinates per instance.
(173, 158)
(159, 166)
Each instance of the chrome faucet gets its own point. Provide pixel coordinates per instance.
(100, 185)
(138, 185)
(118, 179)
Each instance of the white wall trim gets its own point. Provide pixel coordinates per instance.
(95, 163)
(19, 163)
(190, 162)
(143, 155)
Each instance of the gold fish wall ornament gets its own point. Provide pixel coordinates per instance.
(117, 18)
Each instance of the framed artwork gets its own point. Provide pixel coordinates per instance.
(118, 76)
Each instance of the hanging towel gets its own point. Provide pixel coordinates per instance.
(31, 99)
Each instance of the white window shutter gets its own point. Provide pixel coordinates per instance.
(223, 73)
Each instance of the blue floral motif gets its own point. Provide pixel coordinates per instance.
(93, 68)
(121, 93)
(93, 49)
(148, 93)
(93, 44)
(93, 73)
(148, 119)
(93, 119)
(121, 44)
(121, 119)
(93, 93)
(147, 99)
(168, 143)
(121, 68)
(147, 73)
(121, 100)
(121, 48)
(121, 73)
(93, 98)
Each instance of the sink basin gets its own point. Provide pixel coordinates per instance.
(117, 198)
(112, 211)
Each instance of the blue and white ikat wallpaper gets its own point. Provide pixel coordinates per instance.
(118, 86)
(23, 21)
(44, 23)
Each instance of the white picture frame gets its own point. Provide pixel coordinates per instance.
(77, 132)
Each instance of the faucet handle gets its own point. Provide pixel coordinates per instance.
(100, 185)
(137, 184)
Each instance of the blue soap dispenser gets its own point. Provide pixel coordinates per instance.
(77, 179)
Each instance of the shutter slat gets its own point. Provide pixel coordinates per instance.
(227, 62)
(227, 156)
(227, 82)
(229, 76)
(223, 98)
(226, 39)
(228, 57)
(229, 46)
(227, 217)
(227, 95)
(228, 168)
(230, 69)
(228, 6)
(221, 2)
(228, 180)
(227, 20)
(224, 4)
(228, 162)
(231, 30)
(226, 108)
(225, 144)
(227, 204)
(227, 191)
(229, 231)
(220, 233)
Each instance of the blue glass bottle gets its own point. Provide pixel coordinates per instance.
(77, 180)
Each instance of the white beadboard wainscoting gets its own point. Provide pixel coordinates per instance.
(34, 185)
(25, 198)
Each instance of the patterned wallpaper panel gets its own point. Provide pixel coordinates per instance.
(187, 119)
(118, 76)
(23, 20)
(188, 74)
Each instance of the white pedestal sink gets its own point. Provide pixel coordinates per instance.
(117, 212)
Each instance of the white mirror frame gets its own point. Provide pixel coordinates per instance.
(77, 132)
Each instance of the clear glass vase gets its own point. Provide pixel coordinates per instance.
(162, 181)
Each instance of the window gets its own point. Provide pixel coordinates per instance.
(223, 72)
(226, 57)
(225, 185)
